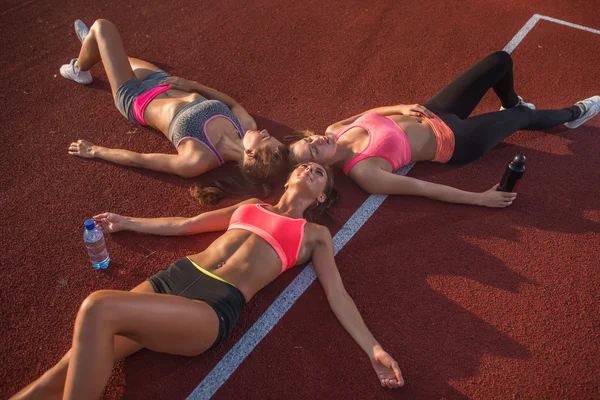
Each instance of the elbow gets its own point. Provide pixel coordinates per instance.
(184, 227)
(370, 188)
(337, 295)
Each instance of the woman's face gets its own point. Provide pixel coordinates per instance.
(316, 148)
(254, 140)
(309, 178)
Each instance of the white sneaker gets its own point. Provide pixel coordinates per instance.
(589, 107)
(81, 30)
(70, 71)
(521, 103)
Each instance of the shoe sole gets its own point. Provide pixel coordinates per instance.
(79, 25)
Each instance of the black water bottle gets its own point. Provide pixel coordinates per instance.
(514, 172)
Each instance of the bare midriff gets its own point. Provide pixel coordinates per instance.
(421, 137)
(162, 109)
(241, 258)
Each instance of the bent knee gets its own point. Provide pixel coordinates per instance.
(501, 58)
(96, 304)
(101, 26)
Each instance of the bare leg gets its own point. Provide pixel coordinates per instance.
(142, 68)
(163, 323)
(104, 43)
(51, 384)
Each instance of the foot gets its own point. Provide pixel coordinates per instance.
(589, 108)
(81, 30)
(70, 71)
(521, 103)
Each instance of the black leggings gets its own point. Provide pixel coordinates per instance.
(477, 135)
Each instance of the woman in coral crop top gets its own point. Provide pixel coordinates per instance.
(370, 146)
(208, 289)
(206, 127)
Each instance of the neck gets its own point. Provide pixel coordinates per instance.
(343, 153)
(292, 205)
(231, 149)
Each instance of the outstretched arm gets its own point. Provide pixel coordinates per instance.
(211, 221)
(346, 312)
(186, 85)
(184, 166)
(383, 182)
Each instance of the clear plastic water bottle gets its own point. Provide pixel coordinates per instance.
(96, 247)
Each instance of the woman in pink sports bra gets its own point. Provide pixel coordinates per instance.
(207, 290)
(370, 146)
(206, 127)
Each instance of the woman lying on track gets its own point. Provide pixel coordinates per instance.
(192, 305)
(208, 128)
(371, 145)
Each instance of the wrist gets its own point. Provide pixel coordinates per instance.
(374, 350)
(95, 150)
(195, 86)
(128, 224)
(477, 199)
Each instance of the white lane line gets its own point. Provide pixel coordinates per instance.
(238, 353)
(561, 22)
(522, 33)
(234, 357)
(531, 23)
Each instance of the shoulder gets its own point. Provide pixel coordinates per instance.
(317, 234)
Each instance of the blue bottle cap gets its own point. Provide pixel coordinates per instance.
(89, 224)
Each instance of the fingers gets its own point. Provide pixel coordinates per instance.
(397, 373)
(508, 198)
(99, 216)
(426, 112)
(417, 110)
(77, 145)
(505, 200)
(173, 82)
(391, 383)
(169, 80)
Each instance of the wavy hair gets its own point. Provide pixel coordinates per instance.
(261, 173)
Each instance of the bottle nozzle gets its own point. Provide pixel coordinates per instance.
(519, 159)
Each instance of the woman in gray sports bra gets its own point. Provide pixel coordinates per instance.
(208, 128)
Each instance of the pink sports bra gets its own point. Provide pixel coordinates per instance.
(284, 234)
(386, 140)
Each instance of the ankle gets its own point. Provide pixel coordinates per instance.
(512, 103)
(576, 111)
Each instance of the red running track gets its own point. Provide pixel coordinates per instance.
(473, 302)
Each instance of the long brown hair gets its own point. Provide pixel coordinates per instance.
(261, 173)
(298, 135)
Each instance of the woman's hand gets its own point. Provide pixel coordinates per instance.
(175, 82)
(109, 222)
(414, 109)
(386, 368)
(82, 148)
(494, 198)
